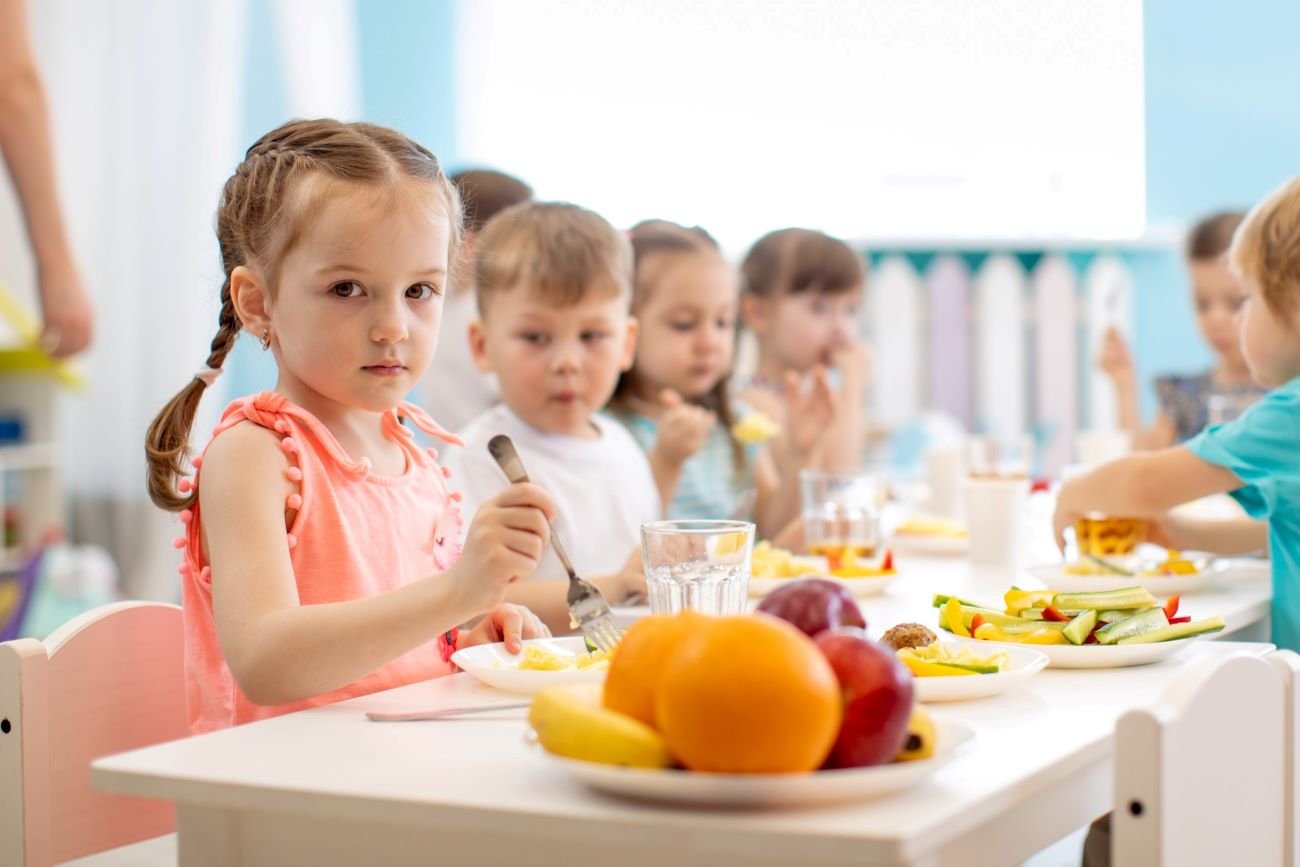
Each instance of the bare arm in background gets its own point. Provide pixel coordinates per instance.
(1116, 362)
(28, 154)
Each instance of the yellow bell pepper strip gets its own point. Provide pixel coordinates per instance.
(925, 668)
(1043, 636)
(952, 613)
(1018, 600)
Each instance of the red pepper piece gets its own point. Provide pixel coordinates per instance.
(1171, 607)
(1185, 619)
(887, 562)
(1050, 613)
(976, 622)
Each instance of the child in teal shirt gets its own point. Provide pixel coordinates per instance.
(1255, 458)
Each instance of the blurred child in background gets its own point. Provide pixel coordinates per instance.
(1189, 404)
(675, 399)
(801, 292)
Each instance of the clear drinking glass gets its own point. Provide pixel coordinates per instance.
(700, 565)
(841, 515)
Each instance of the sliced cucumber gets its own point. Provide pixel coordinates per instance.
(1129, 597)
(1078, 629)
(1175, 631)
(941, 600)
(1143, 621)
(1114, 614)
(1031, 614)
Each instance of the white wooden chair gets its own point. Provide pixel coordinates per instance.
(1200, 776)
(1287, 664)
(108, 681)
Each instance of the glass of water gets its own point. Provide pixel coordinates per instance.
(700, 565)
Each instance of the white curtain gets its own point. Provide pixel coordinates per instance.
(145, 102)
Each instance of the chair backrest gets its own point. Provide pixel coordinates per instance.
(1199, 776)
(107, 681)
(1287, 663)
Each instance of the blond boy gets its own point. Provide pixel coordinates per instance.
(553, 283)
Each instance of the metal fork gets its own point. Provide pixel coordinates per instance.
(587, 607)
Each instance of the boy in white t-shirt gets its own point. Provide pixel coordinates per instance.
(553, 283)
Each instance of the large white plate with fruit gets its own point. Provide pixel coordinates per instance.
(543, 662)
(1098, 629)
(954, 671)
(769, 790)
(1175, 573)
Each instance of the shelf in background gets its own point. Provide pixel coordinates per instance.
(28, 456)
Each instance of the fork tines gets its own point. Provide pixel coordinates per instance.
(589, 608)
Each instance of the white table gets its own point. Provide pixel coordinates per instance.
(326, 786)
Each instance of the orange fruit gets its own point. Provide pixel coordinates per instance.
(749, 695)
(636, 670)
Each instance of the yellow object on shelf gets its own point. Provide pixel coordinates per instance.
(28, 356)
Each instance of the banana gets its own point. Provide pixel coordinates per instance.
(570, 721)
(920, 740)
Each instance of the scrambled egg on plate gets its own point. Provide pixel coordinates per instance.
(540, 659)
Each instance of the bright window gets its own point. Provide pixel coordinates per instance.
(891, 119)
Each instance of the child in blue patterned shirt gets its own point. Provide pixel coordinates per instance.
(674, 400)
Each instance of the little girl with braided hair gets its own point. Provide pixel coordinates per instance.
(322, 548)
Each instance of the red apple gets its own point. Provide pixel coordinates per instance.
(877, 691)
(814, 605)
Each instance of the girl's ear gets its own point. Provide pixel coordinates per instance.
(629, 345)
(478, 346)
(756, 312)
(252, 300)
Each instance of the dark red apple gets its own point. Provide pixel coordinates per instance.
(877, 691)
(814, 605)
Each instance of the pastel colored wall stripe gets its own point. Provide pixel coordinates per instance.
(894, 317)
(1056, 364)
(1001, 369)
(949, 332)
(1107, 301)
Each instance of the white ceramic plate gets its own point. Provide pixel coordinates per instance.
(1025, 663)
(1245, 569)
(1056, 578)
(767, 790)
(857, 586)
(928, 543)
(1096, 655)
(491, 664)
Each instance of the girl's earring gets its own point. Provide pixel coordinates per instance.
(265, 339)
